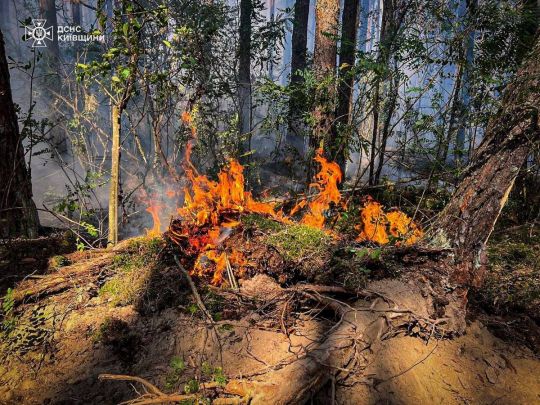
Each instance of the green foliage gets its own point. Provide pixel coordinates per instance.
(177, 367)
(216, 373)
(191, 387)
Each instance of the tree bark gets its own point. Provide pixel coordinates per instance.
(76, 12)
(48, 12)
(18, 214)
(324, 67)
(337, 145)
(244, 75)
(469, 218)
(115, 176)
(295, 136)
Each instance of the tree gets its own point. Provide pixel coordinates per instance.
(18, 214)
(244, 73)
(297, 101)
(324, 69)
(338, 143)
(76, 11)
(47, 10)
(468, 220)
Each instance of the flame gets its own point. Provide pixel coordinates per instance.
(212, 208)
(378, 226)
(327, 181)
(156, 228)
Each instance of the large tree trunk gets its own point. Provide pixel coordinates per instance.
(337, 145)
(324, 67)
(244, 75)
(18, 214)
(295, 135)
(468, 220)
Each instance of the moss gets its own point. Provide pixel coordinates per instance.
(132, 271)
(125, 287)
(296, 242)
(262, 223)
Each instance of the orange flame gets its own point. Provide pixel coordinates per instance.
(328, 179)
(211, 210)
(156, 228)
(378, 226)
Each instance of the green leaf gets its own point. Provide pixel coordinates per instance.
(125, 73)
(116, 79)
(167, 43)
(125, 29)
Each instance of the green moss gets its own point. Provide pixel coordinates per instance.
(296, 242)
(133, 269)
(262, 223)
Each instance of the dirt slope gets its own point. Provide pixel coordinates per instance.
(65, 337)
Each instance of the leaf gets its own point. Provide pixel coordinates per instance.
(82, 66)
(125, 29)
(167, 43)
(116, 79)
(125, 73)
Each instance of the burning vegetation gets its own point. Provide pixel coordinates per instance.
(212, 212)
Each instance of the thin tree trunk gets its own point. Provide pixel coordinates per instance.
(390, 106)
(295, 136)
(468, 220)
(18, 214)
(244, 75)
(115, 176)
(76, 12)
(464, 94)
(340, 134)
(48, 12)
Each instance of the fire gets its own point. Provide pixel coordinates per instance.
(211, 212)
(327, 181)
(156, 228)
(378, 226)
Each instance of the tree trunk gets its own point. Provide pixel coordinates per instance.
(324, 67)
(115, 176)
(76, 12)
(464, 94)
(468, 220)
(244, 75)
(18, 214)
(337, 147)
(295, 136)
(386, 36)
(48, 12)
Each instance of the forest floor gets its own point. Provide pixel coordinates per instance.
(130, 311)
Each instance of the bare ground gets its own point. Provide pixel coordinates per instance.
(69, 334)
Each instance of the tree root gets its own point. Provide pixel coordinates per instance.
(388, 308)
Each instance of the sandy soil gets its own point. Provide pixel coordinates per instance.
(62, 346)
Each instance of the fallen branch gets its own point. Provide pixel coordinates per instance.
(196, 295)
